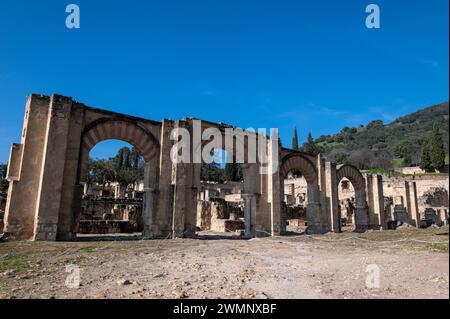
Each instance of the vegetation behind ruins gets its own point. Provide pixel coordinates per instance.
(126, 168)
(3, 181)
(379, 145)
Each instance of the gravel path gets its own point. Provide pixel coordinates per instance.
(329, 266)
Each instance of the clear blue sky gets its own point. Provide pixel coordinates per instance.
(310, 64)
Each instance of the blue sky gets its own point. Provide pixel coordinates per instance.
(310, 64)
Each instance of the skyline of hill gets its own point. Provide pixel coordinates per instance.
(382, 145)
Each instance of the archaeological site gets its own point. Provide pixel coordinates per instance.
(50, 198)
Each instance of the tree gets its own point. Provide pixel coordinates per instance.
(102, 172)
(211, 172)
(122, 159)
(295, 140)
(310, 146)
(437, 152)
(233, 171)
(135, 158)
(425, 160)
(362, 159)
(127, 176)
(3, 180)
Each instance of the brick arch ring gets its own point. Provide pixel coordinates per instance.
(117, 129)
(301, 163)
(352, 174)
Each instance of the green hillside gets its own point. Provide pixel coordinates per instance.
(386, 145)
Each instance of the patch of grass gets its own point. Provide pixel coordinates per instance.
(89, 249)
(16, 262)
(441, 248)
(398, 162)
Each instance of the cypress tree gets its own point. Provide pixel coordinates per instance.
(437, 153)
(295, 140)
(310, 146)
(425, 160)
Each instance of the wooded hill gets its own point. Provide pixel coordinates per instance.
(385, 145)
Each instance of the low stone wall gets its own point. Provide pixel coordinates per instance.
(106, 227)
(100, 215)
(219, 215)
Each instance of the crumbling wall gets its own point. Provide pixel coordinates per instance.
(98, 215)
(219, 215)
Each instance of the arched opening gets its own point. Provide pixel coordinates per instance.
(220, 202)
(352, 198)
(113, 192)
(116, 194)
(300, 194)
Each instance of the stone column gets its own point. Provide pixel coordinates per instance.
(273, 187)
(443, 214)
(413, 209)
(375, 200)
(361, 212)
(52, 172)
(164, 199)
(332, 196)
(248, 203)
(25, 164)
(378, 201)
(317, 200)
(86, 189)
(313, 211)
(147, 212)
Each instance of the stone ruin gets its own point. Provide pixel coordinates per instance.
(50, 166)
(220, 207)
(105, 213)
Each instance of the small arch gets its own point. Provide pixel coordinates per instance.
(352, 174)
(301, 163)
(359, 185)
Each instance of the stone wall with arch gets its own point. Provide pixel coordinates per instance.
(50, 165)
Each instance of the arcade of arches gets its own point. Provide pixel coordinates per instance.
(49, 167)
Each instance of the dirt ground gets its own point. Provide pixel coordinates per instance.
(412, 263)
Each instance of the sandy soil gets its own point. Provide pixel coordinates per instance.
(413, 264)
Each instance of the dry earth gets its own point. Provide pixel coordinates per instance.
(413, 264)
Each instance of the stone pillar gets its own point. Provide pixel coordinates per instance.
(375, 200)
(443, 214)
(361, 211)
(317, 201)
(86, 189)
(292, 189)
(248, 207)
(117, 191)
(331, 189)
(378, 201)
(52, 172)
(25, 165)
(165, 196)
(273, 187)
(413, 209)
(148, 205)
(185, 192)
(147, 212)
(313, 211)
